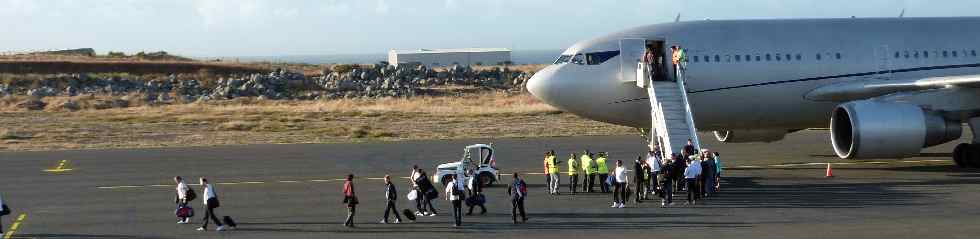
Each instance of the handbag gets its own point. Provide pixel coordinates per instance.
(184, 212)
(413, 195)
(213, 203)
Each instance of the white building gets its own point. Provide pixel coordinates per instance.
(448, 57)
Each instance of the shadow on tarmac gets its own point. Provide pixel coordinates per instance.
(81, 236)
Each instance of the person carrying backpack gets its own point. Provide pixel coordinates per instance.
(210, 203)
(455, 194)
(518, 192)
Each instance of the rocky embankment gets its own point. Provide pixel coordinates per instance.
(339, 81)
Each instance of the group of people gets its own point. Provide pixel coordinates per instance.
(696, 172)
(654, 59)
(185, 195)
(458, 192)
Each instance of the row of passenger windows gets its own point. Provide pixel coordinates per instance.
(945, 54)
(766, 57)
(828, 56)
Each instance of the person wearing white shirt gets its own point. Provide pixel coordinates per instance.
(691, 176)
(454, 193)
(653, 161)
(619, 185)
(181, 200)
(210, 203)
(418, 193)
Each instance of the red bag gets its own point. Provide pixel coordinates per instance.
(185, 211)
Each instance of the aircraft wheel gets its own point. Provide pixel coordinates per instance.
(960, 154)
(972, 155)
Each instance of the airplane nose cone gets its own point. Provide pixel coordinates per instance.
(540, 84)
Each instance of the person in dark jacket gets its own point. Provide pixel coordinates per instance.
(708, 172)
(669, 175)
(427, 192)
(639, 176)
(210, 203)
(680, 165)
(391, 196)
(475, 187)
(350, 199)
(518, 192)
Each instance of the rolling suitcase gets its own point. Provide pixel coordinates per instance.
(229, 222)
(185, 211)
(409, 215)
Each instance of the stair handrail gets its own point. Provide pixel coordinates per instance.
(689, 113)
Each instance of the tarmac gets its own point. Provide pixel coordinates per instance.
(774, 190)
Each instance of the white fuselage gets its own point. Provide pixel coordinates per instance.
(786, 60)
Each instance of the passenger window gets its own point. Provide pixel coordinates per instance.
(695, 58)
(789, 57)
(838, 56)
(707, 58)
(954, 54)
(897, 55)
(738, 58)
(973, 53)
(597, 58)
(799, 57)
(945, 54)
(818, 56)
(758, 58)
(768, 57)
(915, 55)
(779, 57)
(925, 54)
(717, 58)
(577, 59)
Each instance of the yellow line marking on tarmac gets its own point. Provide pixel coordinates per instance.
(59, 168)
(15, 226)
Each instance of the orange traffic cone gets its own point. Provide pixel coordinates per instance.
(830, 173)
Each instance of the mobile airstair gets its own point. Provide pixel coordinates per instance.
(671, 114)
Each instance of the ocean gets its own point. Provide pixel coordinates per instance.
(519, 57)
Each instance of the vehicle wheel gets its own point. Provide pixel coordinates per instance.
(486, 179)
(971, 156)
(960, 155)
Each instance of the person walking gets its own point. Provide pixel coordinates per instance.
(668, 185)
(416, 173)
(552, 162)
(691, 176)
(708, 173)
(391, 196)
(619, 185)
(547, 174)
(589, 167)
(680, 165)
(518, 193)
(689, 149)
(210, 203)
(717, 171)
(454, 194)
(182, 199)
(603, 171)
(573, 168)
(653, 162)
(475, 187)
(350, 199)
(640, 173)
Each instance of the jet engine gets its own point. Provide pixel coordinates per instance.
(753, 135)
(872, 129)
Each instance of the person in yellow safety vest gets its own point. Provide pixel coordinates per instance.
(573, 167)
(603, 171)
(552, 162)
(547, 176)
(589, 180)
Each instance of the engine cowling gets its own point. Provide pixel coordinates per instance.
(870, 129)
(752, 135)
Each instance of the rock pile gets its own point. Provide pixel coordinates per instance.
(347, 81)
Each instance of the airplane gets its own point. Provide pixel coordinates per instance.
(886, 87)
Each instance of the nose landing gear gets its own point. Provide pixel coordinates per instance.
(967, 155)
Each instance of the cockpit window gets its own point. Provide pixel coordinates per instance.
(578, 59)
(597, 58)
(563, 59)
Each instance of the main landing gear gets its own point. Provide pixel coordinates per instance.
(968, 155)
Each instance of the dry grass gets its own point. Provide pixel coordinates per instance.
(251, 121)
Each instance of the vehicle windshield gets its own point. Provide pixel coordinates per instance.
(563, 59)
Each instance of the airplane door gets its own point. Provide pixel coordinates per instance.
(631, 51)
(882, 58)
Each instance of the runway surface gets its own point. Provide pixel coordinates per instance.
(773, 190)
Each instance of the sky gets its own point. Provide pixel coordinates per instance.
(310, 27)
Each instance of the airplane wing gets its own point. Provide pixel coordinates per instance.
(849, 91)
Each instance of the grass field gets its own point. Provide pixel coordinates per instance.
(251, 121)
